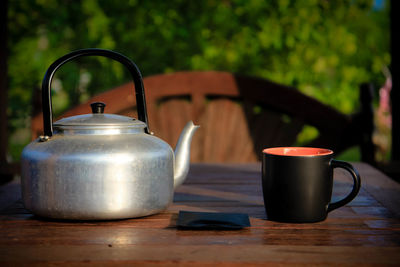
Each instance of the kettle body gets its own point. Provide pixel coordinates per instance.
(101, 166)
(97, 177)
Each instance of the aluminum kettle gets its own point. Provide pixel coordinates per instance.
(101, 166)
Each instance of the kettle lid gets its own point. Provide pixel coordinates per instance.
(99, 121)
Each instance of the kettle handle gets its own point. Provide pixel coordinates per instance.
(129, 64)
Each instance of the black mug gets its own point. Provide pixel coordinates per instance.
(297, 183)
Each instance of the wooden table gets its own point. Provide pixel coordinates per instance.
(365, 232)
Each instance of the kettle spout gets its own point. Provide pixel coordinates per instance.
(182, 153)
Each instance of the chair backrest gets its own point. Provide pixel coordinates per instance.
(238, 115)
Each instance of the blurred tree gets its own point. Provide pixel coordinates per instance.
(325, 48)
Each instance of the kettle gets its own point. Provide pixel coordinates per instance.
(101, 166)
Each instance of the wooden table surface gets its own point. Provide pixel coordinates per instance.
(365, 232)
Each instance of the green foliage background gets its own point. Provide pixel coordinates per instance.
(325, 48)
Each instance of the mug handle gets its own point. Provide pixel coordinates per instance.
(356, 183)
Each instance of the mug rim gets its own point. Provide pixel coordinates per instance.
(297, 151)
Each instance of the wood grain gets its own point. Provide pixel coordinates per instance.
(365, 232)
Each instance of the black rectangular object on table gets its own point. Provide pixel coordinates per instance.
(212, 220)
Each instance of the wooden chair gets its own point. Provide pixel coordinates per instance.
(238, 115)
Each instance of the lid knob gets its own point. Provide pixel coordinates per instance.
(98, 107)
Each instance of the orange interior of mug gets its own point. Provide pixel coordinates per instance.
(297, 151)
